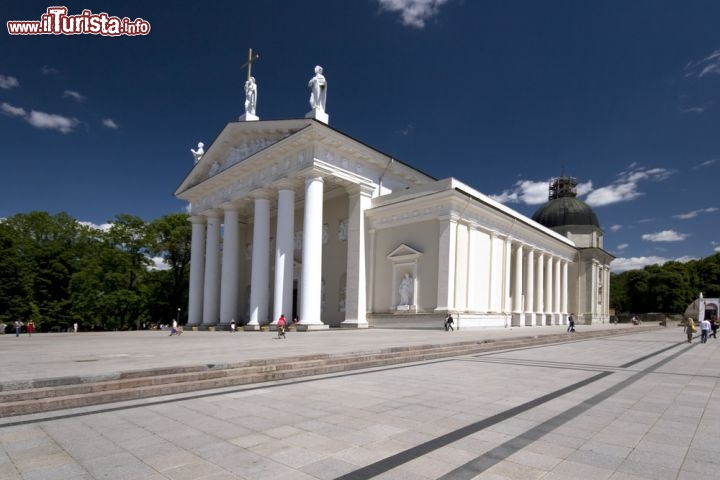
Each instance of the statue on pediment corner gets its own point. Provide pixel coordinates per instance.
(197, 154)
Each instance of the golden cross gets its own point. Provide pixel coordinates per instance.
(250, 61)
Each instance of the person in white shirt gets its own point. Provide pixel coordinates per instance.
(704, 330)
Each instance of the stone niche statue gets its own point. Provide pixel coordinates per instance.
(250, 96)
(197, 154)
(406, 291)
(318, 90)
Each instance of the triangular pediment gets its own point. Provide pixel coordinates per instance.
(403, 252)
(237, 142)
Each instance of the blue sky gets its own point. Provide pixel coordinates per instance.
(503, 95)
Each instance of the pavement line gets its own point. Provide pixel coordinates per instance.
(482, 463)
(501, 452)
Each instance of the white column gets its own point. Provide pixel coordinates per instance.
(355, 295)
(517, 289)
(461, 267)
(517, 298)
(564, 301)
(507, 265)
(284, 245)
(530, 288)
(594, 289)
(211, 295)
(312, 254)
(540, 297)
(473, 282)
(495, 280)
(260, 275)
(556, 289)
(606, 293)
(197, 270)
(549, 289)
(371, 271)
(230, 267)
(446, 263)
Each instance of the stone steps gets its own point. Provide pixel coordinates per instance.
(70, 392)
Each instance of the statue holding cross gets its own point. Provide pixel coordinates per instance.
(250, 89)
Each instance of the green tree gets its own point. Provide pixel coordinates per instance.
(170, 238)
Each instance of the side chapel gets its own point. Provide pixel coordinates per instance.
(294, 217)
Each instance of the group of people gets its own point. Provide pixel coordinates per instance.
(708, 328)
(18, 327)
(30, 327)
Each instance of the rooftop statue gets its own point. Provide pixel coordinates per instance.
(199, 152)
(318, 90)
(250, 96)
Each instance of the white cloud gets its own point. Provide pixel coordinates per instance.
(74, 95)
(158, 263)
(625, 188)
(707, 66)
(584, 188)
(620, 265)
(525, 191)
(615, 227)
(706, 163)
(49, 121)
(665, 236)
(7, 82)
(699, 109)
(622, 246)
(104, 227)
(52, 121)
(717, 249)
(407, 130)
(110, 123)
(413, 13)
(47, 70)
(12, 111)
(695, 213)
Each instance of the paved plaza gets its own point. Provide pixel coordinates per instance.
(636, 406)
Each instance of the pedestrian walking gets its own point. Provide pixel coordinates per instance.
(690, 329)
(174, 329)
(281, 324)
(232, 326)
(449, 321)
(714, 328)
(704, 330)
(571, 323)
(18, 327)
(30, 327)
(75, 327)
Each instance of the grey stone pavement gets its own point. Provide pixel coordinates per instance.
(638, 406)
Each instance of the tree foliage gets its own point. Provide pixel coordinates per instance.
(667, 288)
(57, 271)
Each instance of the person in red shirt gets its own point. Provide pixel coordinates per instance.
(281, 324)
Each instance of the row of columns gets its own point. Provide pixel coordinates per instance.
(528, 283)
(214, 286)
(540, 291)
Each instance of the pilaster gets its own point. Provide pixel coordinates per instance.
(355, 290)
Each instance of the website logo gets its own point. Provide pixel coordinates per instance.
(56, 21)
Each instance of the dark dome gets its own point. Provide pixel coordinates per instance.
(564, 211)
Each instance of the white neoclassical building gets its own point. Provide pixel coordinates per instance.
(294, 217)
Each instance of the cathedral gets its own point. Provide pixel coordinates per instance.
(294, 217)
